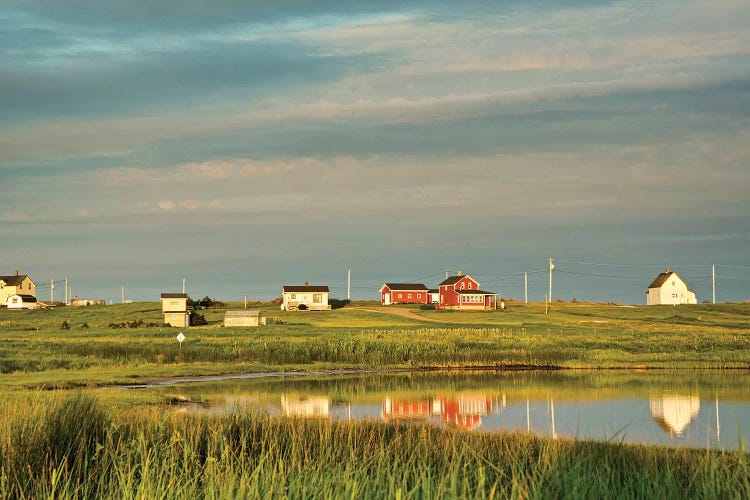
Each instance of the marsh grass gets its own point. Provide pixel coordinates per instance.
(573, 336)
(72, 448)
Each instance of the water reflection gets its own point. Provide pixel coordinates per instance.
(673, 412)
(665, 408)
(293, 405)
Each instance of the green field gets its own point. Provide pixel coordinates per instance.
(37, 352)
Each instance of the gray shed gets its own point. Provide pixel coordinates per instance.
(245, 317)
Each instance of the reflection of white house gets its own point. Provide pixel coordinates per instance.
(313, 406)
(669, 289)
(304, 298)
(673, 412)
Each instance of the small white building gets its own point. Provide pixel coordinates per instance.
(304, 298)
(669, 289)
(17, 301)
(245, 317)
(175, 309)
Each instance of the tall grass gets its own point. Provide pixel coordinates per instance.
(72, 448)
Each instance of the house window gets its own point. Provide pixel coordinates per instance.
(409, 296)
(15, 300)
(317, 298)
(400, 295)
(469, 286)
(673, 283)
(462, 285)
(293, 296)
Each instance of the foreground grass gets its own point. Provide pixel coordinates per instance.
(72, 448)
(37, 352)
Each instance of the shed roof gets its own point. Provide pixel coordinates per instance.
(245, 313)
(303, 288)
(474, 292)
(25, 298)
(174, 295)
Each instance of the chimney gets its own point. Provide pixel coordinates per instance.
(667, 271)
(16, 272)
(307, 283)
(459, 272)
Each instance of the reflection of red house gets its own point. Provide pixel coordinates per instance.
(462, 292)
(465, 411)
(403, 293)
(412, 410)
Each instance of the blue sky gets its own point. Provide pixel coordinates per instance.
(247, 145)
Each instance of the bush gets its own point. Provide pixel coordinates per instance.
(338, 303)
(65, 325)
(427, 307)
(198, 320)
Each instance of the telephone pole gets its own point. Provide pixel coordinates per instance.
(51, 292)
(713, 284)
(122, 293)
(551, 268)
(66, 290)
(525, 288)
(349, 285)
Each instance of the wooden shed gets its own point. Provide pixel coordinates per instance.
(245, 317)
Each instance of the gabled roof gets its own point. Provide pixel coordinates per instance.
(452, 280)
(663, 278)
(406, 286)
(303, 288)
(14, 280)
(174, 295)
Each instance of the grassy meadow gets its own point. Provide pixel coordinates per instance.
(37, 352)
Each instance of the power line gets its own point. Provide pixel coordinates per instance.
(626, 265)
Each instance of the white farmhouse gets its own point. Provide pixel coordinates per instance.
(669, 289)
(304, 298)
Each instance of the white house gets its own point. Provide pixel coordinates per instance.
(669, 289)
(304, 298)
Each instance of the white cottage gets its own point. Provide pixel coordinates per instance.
(17, 301)
(669, 289)
(304, 298)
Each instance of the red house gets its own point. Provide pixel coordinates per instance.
(462, 292)
(404, 293)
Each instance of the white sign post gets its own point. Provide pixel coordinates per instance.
(180, 339)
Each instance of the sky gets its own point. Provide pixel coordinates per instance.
(245, 145)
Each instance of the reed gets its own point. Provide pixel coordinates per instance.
(73, 448)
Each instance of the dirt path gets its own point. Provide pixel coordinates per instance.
(404, 313)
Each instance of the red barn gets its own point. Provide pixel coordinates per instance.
(404, 293)
(462, 292)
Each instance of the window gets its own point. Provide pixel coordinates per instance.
(293, 296)
(462, 285)
(317, 298)
(409, 296)
(400, 295)
(469, 286)
(673, 283)
(15, 300)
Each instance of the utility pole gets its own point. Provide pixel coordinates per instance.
(245, 301)
(51, 292)
(551, 268)
(66, 290)
(713, 284)
(525, 288)
(122, 293)
(183, 285)
(349, 285)
(446, 274)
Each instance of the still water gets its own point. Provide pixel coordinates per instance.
(697, 409)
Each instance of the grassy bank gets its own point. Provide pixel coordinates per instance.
(37, 351)
(73, 448)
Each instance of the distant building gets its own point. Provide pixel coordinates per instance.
(462, 292)
(17, 301)
(18, 284)
(175, 309)
(304, 298)
(669, 289)
(86, 302)
(404, 293)
(245, 317)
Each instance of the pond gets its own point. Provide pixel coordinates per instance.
(698, 409)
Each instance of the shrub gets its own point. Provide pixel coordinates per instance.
(427, 307)
(65, 325)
